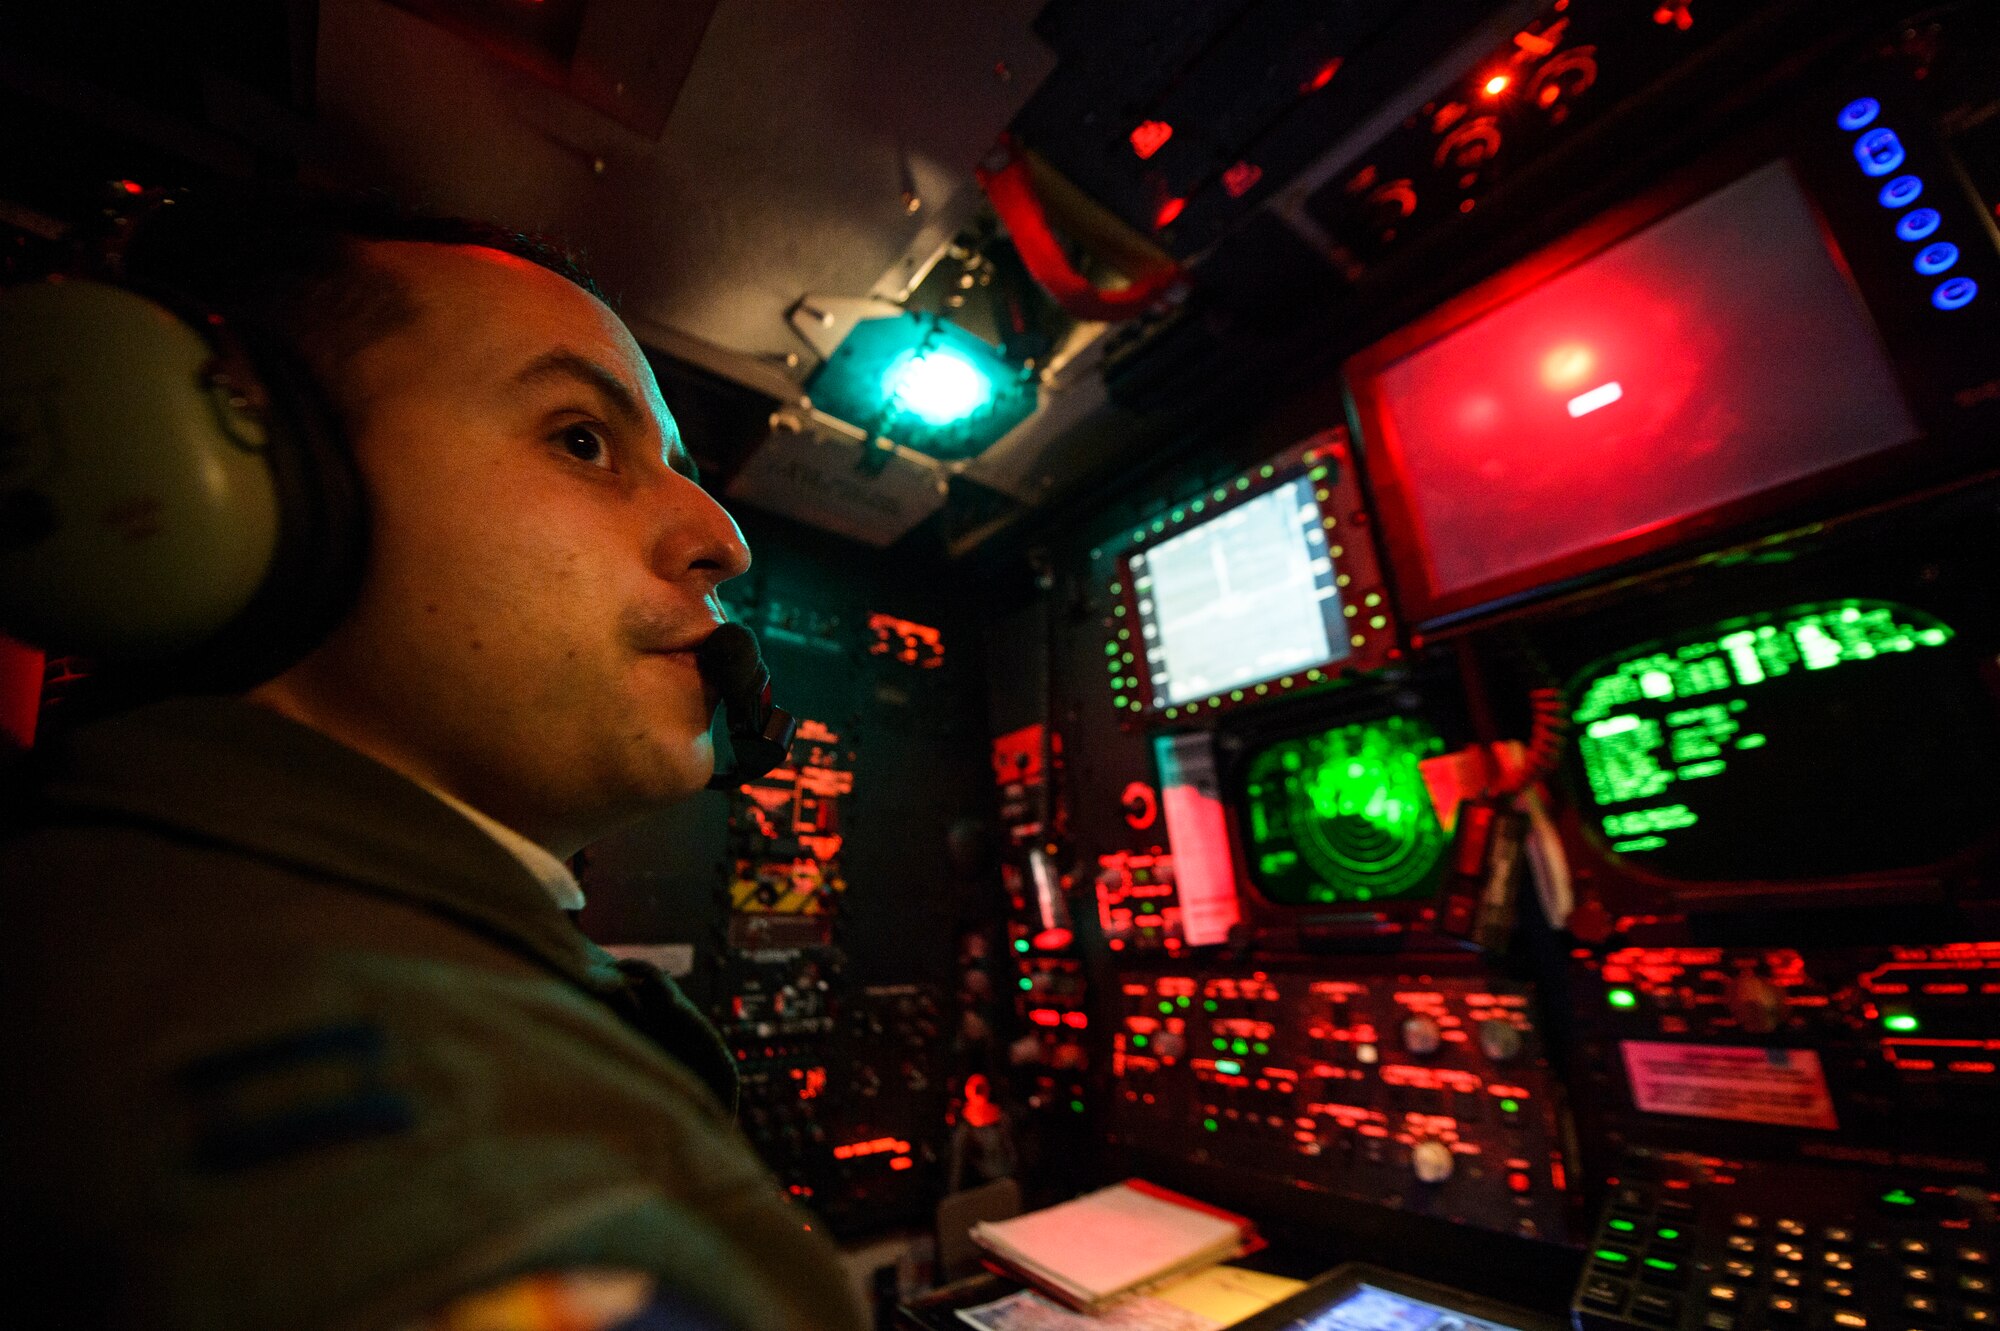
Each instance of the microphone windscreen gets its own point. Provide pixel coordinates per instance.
(729, 659)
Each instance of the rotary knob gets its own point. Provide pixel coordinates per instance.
(1499, 1040)
(1756, 1003)
(1430, 1161)
(1421, 1035)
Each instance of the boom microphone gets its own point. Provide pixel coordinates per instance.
(760, 733)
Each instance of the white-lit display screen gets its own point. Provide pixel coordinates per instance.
(1367, 1308)
(1247, 596)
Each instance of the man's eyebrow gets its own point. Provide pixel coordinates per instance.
(563, 364)
(566, 364)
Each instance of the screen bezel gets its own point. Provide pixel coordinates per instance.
(1588, 845)
(1369, 648)
(1430, 609)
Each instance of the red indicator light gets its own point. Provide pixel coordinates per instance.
(1321, 76)
(1240, 179)
(902, 1162)
(1168, 212)
(1150, 137)
(1497, 85)
(131, 187)
(1052, 940)
(1519, 1182)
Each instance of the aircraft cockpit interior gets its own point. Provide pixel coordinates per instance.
(1369, 625)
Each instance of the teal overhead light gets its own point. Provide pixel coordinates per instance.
(938, 387)
(916, 380)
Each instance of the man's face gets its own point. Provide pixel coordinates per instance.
(542, 562)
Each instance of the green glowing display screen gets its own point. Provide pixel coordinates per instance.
(1343, 816)
(1821, 740)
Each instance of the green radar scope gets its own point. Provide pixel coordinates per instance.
(1342, 816)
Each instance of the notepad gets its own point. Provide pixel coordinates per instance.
(1114, 1242)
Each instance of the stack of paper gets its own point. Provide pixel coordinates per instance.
(1117, 1241)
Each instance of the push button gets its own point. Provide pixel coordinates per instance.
(1655, 1307)
(1599, 1292)
(1879, 152)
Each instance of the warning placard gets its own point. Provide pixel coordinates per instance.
(1749, 1085)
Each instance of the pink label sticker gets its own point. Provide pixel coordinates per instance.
(1749, 1085)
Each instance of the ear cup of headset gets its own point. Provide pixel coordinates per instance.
(174, 492)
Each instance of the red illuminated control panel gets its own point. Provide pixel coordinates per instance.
(1886, 1054)
(1425, 1093)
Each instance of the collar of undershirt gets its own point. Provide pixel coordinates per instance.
(550, 872)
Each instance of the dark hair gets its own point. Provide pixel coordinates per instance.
(295, 268)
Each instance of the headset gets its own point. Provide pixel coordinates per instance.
(177, 497)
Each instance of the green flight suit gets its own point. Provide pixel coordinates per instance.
(290, 1043)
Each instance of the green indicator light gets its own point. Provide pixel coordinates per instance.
(1222, 1046)
(1118, 610)
(1625, 1226)
(1138, 1042)
(1513, 1106)
(1621, 998)
(1611, 1255)
(1662, 1264)
(1901, 1022)
(1076, 1106)
(1228, 1067)
(1118, 699)
(1020, 945)
(1173, 712)
(1166, 1007)
(1243, 482)
(1239, 1046)
(1317, 473)
(1182, 1001)
(1179, 515)
(1260, 1048)
(1668, 1234)
(1898, 1197)
(1208, 1124)
(1209, 1005)
(1026, 983)
(1198, 505)
(1265, 472)
(1111, 649)
(1124, 635)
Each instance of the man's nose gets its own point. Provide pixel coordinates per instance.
(696, 536)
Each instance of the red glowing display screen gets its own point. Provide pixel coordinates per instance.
(1718, 354)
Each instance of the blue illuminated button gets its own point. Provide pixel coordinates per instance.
(1901, 192)
(1879, 151)
(1918, 223)
(1859, 113)
(1934, 259)
(1954, 293)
